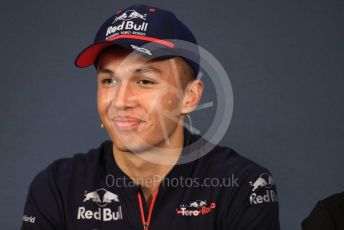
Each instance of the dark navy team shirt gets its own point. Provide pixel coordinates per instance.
(221, 190)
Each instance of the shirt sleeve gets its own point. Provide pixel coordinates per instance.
(253, 205)
(43, 207)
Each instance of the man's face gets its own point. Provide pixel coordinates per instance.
(139, 101)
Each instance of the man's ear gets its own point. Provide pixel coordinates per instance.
(192, 96)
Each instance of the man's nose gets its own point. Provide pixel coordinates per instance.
(124, 97)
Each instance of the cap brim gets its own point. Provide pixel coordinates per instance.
(88, 56)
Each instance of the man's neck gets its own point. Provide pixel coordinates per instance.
(145, 173)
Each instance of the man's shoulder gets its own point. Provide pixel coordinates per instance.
(238, 179)
(79, 164)
(226, 160)
(78, 161)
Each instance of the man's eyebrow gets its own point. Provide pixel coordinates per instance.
(147, 69)
(104, 71)
(143, 69)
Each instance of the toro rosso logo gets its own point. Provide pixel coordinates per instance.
(196, 208)
(95, 196)
(130, 14)
(197, 204)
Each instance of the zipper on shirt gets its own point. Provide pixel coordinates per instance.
(145, 222)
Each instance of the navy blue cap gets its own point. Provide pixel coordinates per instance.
(138, 26)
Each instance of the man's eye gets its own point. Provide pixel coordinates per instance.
(108, 81)
(145, 82)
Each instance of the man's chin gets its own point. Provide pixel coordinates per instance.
(131, 140)
(132, 146)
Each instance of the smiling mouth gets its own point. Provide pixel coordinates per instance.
(125, 125)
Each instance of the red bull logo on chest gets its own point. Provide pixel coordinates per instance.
(102, 198)
(105, 214)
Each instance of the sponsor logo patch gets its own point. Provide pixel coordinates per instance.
(141, 49)
(126, 27)
(129, 15)
(196, 208)
(129, 22)
(29, 219)
(262, 190)
(102, 198)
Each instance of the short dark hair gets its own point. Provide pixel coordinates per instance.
(186, 70)
(107, 49)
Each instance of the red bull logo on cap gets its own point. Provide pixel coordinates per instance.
(129, 15)
(127, 27)
(125, 24)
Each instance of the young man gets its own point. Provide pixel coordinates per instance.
(138, 180)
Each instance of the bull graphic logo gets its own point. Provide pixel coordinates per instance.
(264, 181)
(109, 197)
(95, 196)
(130, 14)
(198, 204)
